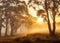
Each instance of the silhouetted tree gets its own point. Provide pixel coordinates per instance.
(46, 7)
(13, 11)
(54, 13)
(53, 6)
(0, 21)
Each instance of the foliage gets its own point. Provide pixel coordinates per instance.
(13, 12)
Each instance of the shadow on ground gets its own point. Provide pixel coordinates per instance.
(33, 38)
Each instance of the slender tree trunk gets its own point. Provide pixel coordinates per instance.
(12, 26)
(6, 26)
(54, 27)
(54, 24)
(54, 14)
(0, 23)
(49, 25)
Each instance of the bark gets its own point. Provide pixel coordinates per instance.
(11, 20)
(54, 14)
(0, 23)
(6, 26)
(54, 27)
(49, 25)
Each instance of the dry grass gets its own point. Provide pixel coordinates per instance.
(32, 38)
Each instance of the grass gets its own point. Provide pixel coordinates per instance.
(33, 38)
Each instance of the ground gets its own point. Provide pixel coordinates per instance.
(31, 38)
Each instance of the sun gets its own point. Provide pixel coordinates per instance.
(39, 20)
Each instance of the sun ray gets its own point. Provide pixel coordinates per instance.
(39, 20)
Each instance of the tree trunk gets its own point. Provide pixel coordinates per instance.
(0, 23)
(54, 14)
(49, 25)
(54, 24)
(11, 20)
(6, 26)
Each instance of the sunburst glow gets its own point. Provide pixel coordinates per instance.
(39, 20)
